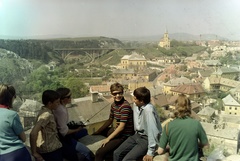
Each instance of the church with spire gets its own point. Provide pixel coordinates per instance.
(165, 41)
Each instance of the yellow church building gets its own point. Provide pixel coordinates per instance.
(165, 41)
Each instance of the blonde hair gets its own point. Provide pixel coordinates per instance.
(183, 106)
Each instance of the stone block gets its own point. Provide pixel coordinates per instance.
(93, 142)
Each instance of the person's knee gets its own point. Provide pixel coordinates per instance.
(116, 154)
(84, 131)
(97, 153)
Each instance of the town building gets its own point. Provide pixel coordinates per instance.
(134, 61)
(231, 106)
(194, 91)
(172, 83)
(235, 92)
(218, 83)
(227, 72)
(168, 60)
(104, 90)
(165, 41)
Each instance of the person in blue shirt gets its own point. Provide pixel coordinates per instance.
(12, 135)
(147, 128)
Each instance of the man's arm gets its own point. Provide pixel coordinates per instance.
(203, 140)
(71, 131)
(61, 120)
(33, 140)
(153, 138)
(205, 146)
(153, 132)
(114, 133)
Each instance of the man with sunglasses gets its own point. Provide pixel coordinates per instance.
(121, 113)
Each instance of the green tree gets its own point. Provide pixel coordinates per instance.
(77, 87)
(39, 80)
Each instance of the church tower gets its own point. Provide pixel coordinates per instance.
(165, 41)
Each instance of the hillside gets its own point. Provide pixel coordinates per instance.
(174, 36)
(13, 67)
(151, 51)
(43, 50)
(112, 58)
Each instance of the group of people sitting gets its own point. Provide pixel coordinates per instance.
(136, 135)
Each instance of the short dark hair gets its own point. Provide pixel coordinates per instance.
(63, 92)
(7, 93)
(142, 94)
(49, 96)
(116, 87)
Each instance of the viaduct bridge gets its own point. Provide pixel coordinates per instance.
(93, 53)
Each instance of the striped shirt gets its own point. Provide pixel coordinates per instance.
(122, 112)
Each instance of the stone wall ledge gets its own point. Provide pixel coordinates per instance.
(93, 142)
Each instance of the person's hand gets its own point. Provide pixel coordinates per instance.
(79, 128)
(160, 150)
(37, 157)
(105, 141)
(148, 158)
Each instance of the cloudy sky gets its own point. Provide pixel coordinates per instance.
(119, 18)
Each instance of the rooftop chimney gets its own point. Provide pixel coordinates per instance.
(94, 96)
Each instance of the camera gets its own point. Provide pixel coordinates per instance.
(75, 125)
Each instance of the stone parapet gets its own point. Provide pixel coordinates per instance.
(93, 142)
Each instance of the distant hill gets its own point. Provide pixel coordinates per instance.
(187, 37)
(43, 49)
(151, 38)
(175, 36)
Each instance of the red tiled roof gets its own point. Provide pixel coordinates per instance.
(160, 100)
(188, 89)
(100, 88)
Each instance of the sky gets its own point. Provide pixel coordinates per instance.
(119, 18)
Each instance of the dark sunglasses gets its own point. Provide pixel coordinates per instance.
(117, 93)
